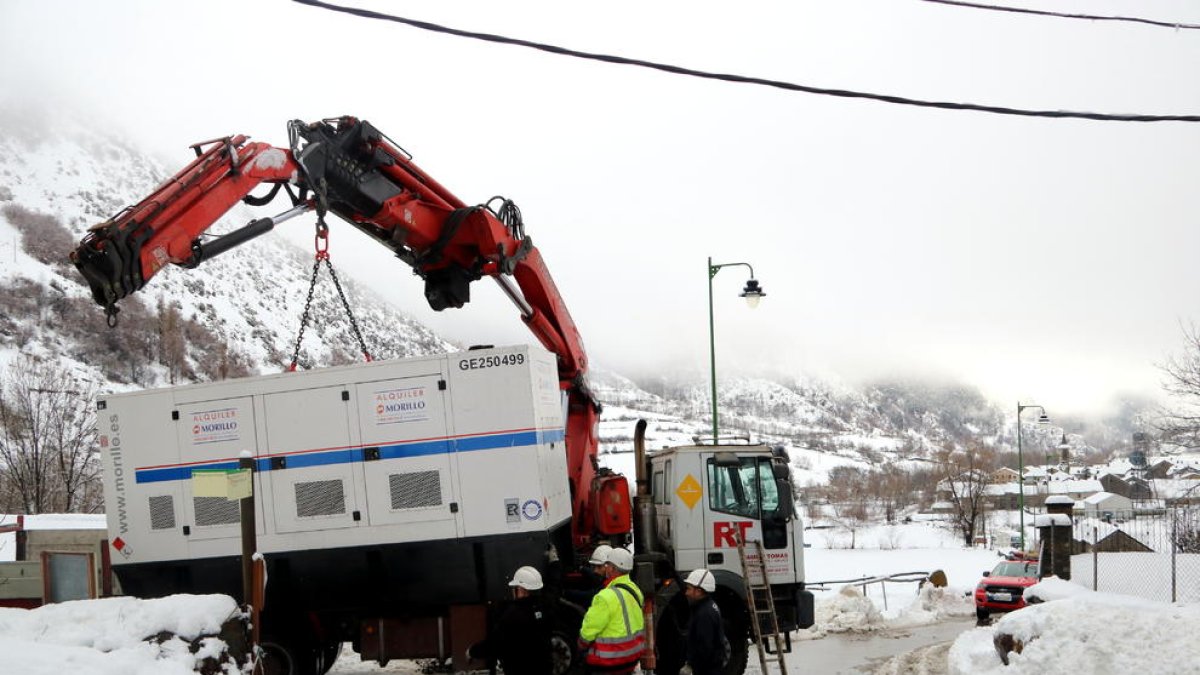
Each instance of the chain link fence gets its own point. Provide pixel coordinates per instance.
(1150, 553)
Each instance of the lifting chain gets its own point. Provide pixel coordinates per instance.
(321, 244)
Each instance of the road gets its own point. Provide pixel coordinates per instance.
(859, 653)
(909, 651)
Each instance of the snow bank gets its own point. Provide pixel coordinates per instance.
(111, 636)
(1085, 632)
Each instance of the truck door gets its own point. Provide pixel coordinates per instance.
(310, 459)
(208, 431)
(406, 455)
(743, 499)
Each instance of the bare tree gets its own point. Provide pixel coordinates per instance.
(49, 459)
(965, 476)
(1181, 425)
(849, 500)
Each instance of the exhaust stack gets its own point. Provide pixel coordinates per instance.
(645, 539)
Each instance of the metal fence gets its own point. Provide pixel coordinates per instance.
(867, 583)
(1152, 553)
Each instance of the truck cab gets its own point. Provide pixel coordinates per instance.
(694, 504)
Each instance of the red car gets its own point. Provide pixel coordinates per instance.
(1003, 589)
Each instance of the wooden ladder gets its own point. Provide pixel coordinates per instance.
(752, 601)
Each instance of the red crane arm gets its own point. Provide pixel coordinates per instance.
(347, 167)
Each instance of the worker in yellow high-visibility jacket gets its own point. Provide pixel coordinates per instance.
(612, 637)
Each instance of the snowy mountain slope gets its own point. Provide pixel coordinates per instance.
(54, 170)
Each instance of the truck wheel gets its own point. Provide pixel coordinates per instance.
(564, 654)
(734, 615)
(981, 615)
(291, 658)
(670, 634)
(275, 659)
(739, 647)
(329, 655)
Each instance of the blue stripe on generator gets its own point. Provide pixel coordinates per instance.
(347, 456)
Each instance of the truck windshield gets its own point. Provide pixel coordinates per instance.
(746, 489)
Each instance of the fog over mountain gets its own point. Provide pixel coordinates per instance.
(238, 315)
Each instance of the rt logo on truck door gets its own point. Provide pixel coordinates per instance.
(724, 532)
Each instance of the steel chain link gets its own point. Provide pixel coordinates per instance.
(312, 287)
(321, 243)
(362, 344)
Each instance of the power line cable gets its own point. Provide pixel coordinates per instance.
(742, 79)
(1090, 17)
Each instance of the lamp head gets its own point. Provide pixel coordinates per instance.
(1043, 419)
(752, 293)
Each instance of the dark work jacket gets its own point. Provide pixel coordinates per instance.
(520, 638)
(705, 647)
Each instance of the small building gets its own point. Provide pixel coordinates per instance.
(1097, 535)
(941, 507)
(1127, 486)
(1004, 475)
(53, 558)
(1159, 469)
(1101, 503)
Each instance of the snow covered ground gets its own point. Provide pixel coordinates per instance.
(1081, 631)
(1075, 631)
(109, 636)
(853, 632)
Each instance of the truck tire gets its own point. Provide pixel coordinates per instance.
(329, 656)
(670, 632)
(275, 659)
(564, 639)
(734, 615)
(295, 653)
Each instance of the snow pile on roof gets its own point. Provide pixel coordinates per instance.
(1085, 632)
(1052, 520)
(45, 521)
(58, 521)
(110, 636)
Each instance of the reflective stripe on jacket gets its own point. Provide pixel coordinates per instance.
(612, 631)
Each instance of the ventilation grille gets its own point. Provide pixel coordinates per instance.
(162, 513)
(414, 490)
(216, 511)
(320, 498)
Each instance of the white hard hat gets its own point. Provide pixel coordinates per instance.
(600, 555)
(702, 579)
(528, 578)
(621, 559)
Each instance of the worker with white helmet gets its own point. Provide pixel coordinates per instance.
(600, 555)
(520, 637)
(707, 647)
(612, 637)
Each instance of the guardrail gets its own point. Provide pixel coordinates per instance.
(899, 578)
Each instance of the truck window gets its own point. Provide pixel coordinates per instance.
(734, 489)
(656, 487)
(767, 487)
(668, 481)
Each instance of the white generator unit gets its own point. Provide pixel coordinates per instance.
(393, 487)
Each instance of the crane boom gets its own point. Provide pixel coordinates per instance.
(347, 167)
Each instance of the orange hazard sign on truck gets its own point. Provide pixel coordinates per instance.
(689, 490)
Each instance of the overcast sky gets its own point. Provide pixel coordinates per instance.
(1041, 259)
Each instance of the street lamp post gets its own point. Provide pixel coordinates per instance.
(1042, 419)
(752, 293)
